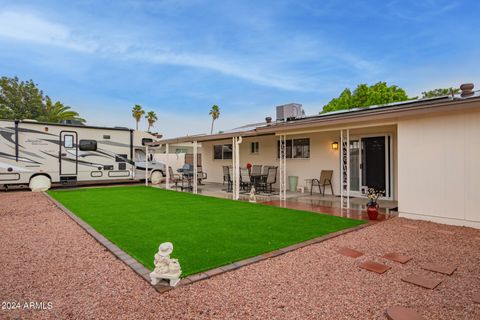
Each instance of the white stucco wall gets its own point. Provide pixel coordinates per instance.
(438, 168)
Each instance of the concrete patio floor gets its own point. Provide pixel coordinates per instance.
(327, 204)
(46, 257)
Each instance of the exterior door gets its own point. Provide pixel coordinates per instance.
(68, 156)
(374, 163)
(370, 164)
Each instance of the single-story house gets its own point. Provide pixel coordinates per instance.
(424, 153)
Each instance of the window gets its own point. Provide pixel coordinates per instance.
(139, 155)
(254, 147)
(222, 152)
(181, 151)
(88, 145)
(68, 141)
(106, 136)
(146, 140)
(121, 158)
(296, 148)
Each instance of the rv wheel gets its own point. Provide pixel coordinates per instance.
(156, 177)
(40, 183)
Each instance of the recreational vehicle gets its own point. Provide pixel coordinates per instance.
(38, 154)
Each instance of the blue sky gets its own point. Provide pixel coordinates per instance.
(180, 57)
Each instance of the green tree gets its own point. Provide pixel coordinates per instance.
(439, 92)
(19, 99)
(151, 118)
(24, 100)
(364, 96)
(137, 113)
(215, 114)
(57, 112)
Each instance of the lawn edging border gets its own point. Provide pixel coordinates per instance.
(144, 273)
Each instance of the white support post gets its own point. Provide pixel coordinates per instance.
(348, 168)
(195, 169)
(341, 169)
(146, 165)
(167, 165)
(345, 168)
(237, 167)
(283, 167)
(234, 165)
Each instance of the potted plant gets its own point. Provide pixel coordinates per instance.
(372, 205)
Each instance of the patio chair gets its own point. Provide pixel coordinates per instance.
(256, 170)
(325, 180)
(174, 177)
(265, 170)
(271, 179)
(229, 179)
(225, 174)
(201, 175)
(245, 181)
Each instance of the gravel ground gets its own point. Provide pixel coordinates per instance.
(46, 257)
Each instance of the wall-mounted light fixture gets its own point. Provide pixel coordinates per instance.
(334, 145)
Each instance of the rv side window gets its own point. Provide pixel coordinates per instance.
(68, 141)
(121, 158)
(87, 145)
(146, 140)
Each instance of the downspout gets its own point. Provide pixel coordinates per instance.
(16, 140)
(131, 145)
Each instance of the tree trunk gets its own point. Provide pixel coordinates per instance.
(137, 125)
(211, 129)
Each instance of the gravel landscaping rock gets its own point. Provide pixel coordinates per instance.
(46, 257)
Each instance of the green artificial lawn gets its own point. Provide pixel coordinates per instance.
(206, 232)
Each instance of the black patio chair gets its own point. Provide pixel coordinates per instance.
(225, 174)
(245, 181)
(174, 177)
(201, 175)
(267, 183)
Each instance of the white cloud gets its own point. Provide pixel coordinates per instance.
(259, 69)
(31, 28)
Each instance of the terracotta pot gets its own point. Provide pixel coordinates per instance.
(372, 212)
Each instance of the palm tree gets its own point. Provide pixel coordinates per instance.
(215, 113)
(57, 112)
(151, 118)
(137, 113)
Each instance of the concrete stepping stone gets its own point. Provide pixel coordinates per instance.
(350, 252)
(374, 266)
(476, 297)
(421, 281)
(448, 270)
(402, 313)
(397, 257)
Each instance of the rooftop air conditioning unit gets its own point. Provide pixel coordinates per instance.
(290, 111)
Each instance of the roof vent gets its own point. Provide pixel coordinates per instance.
(467, 89)
(290, 111)
(268, 120)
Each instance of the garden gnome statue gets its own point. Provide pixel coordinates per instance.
(253, 197)
(165, 267)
